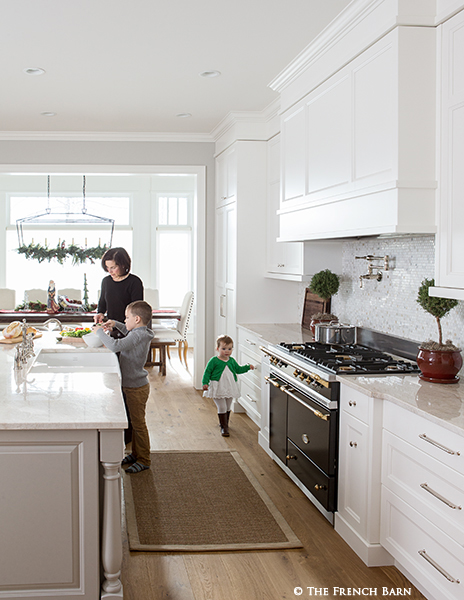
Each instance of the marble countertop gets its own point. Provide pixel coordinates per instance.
(440, 403)
(58, 400)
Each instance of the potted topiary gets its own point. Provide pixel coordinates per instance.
(325, 284)
(439, 362)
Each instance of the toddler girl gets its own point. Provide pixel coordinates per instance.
(220, 380)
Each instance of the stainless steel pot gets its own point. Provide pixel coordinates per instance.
(335, 333)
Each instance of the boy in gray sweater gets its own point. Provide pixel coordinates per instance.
(133, 351)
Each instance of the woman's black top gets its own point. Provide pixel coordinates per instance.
(116, 295)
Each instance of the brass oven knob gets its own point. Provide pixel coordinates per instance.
(290, 457)
(301, 376)
(295, 373)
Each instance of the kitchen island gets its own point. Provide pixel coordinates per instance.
(61, 443)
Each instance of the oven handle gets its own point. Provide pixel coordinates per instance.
(318, 413)
(273, 381)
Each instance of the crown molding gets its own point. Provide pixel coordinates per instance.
(104, 136)
(255, 118)
(390, 14)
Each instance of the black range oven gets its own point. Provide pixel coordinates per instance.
(304, 397)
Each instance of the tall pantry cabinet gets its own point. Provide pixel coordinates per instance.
(240, 235)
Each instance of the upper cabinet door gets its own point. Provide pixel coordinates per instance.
(226, 177)
(450, 238)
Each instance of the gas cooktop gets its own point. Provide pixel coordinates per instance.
(350, 359)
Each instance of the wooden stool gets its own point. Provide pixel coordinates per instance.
(151, 358)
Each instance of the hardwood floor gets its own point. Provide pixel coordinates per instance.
(179, 418)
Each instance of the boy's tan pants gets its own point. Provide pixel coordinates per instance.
(136, 400)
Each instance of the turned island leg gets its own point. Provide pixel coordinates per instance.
(111, 445)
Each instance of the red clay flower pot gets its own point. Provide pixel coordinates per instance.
(439, 366)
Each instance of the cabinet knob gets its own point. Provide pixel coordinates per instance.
(354, 444)
(320, 487)
(290, 457)
(352, 402)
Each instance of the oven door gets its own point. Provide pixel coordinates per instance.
(304, 435)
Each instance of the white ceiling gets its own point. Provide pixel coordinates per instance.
(133, 65)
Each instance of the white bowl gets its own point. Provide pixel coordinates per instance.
(92, 340)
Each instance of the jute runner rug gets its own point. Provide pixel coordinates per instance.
(201, 501)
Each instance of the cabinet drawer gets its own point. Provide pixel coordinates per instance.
(246, 357)
(250, 343)
(431, 556)
(250, 398)
(432, 439)
(434, 489)
(354, 403)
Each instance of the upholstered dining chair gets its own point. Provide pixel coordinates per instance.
(37, 295)
(179, 332)
(7, 299)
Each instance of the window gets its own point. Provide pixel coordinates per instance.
(174, 247)
(22, 273)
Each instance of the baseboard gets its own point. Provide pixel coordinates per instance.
(373, 555)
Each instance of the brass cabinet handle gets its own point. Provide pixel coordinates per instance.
(250, 342)
(424, 437)
(250, 398)
(320, 487)
(354, 444)
(428, 489)
(434, 564)
(290, 457)
(352, 402)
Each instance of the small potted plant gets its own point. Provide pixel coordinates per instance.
(325, 284)
(439, 362)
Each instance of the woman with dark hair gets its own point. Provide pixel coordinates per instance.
(119, 288)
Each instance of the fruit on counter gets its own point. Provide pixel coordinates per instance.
(76, 332)
(12, 330)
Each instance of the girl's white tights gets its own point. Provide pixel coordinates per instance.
(223, 404)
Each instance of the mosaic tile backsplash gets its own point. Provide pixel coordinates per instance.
(390, 306)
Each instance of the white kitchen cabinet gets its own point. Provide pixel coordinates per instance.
(358, 516)
(284, 260)
(250, 383)
(449, 277)
(292, 261)
(225, 281)
(226, 177)
(422, 499)
(358, 152)
(240, 243)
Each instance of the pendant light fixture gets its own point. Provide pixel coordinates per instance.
(63, 218)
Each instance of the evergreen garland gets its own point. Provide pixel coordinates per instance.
(61, 252)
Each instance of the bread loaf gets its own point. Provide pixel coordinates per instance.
(12, 330)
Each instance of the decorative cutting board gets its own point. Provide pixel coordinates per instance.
(17, 340)
(312, 305)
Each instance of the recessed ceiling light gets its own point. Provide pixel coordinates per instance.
(48, 114)
(210, 74)
(34, 71)
(184, 115)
